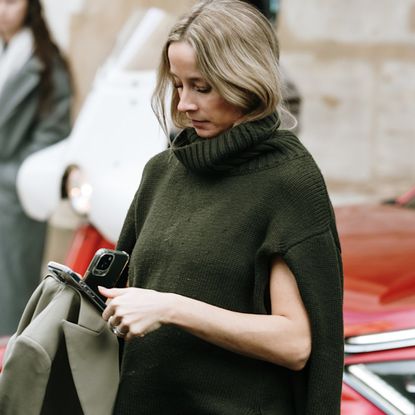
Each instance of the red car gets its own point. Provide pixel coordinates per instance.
(378, 243)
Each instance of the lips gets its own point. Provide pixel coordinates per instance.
(198, 124)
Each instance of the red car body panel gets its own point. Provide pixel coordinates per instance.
(355, 404)
(86, 241)
(407, 353)
(378, 249)
(352, 402)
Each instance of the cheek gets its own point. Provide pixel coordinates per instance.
(230, 113)
(18, 13)
(221, 111)
(23, 13)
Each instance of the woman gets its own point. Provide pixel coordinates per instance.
(234, 303)
(35, 96)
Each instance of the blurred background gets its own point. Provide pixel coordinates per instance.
(352, 63)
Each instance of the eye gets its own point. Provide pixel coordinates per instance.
(203, 89)
(176, 83)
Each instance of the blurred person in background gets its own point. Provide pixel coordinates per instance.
(35, 98)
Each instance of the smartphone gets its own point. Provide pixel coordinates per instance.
(70, 277)
(105, 269)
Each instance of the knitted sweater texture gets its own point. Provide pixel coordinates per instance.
(205, 222)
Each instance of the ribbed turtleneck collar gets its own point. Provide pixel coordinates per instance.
(226, 151)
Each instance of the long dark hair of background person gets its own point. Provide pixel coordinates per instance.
(45, 49)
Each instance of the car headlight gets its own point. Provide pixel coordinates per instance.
(77, 189)
(390, 385)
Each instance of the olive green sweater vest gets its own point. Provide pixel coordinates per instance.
(205, 222)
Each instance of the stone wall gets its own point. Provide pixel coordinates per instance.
(354, 64)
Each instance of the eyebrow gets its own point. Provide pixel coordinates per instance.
(193, 79)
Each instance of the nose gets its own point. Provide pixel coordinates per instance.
(186, 101)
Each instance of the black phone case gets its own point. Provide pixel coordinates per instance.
(109, 276)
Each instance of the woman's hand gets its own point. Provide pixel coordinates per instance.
(136, 312)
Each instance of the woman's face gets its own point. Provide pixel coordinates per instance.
(12, 17)
(208, 112)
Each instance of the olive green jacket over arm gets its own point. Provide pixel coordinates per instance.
(63, 358)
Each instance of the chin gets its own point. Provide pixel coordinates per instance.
(209, 133)
(206, 133)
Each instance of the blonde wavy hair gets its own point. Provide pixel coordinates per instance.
(237, 53)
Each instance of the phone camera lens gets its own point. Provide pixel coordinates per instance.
(104, 262)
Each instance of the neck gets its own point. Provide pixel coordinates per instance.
(6, 37)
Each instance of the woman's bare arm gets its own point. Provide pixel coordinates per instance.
(283, 338)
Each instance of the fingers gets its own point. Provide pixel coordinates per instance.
(132, 312)
(123, 330)
(141, 328)
(114, 320)
(118, 330)
(114, 313)
(109, 311)
(128, 332)
(111, 292)
(128, 329)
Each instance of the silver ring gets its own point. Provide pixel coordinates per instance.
(117, 331)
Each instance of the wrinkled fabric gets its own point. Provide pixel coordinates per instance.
(63, 359)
